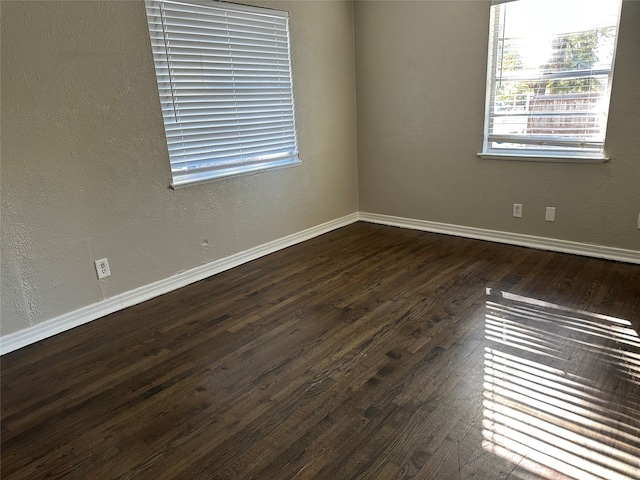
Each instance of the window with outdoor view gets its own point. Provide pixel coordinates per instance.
(549, 78)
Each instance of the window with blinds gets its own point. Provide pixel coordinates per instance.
(549, 77)
(225, 86)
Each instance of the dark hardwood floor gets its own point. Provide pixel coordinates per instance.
(367, 352)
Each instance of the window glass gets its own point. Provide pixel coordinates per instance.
(549, 77)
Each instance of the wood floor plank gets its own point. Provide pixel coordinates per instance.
(368, 352)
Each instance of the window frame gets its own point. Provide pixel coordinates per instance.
(256, 130)
(533, 154)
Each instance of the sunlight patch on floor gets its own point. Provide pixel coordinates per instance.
(544, 408)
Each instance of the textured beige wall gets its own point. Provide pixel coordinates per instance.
(85, 174)
(85, 171)
(421, 74)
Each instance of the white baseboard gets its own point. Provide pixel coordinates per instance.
(67, 321)
(540, 243)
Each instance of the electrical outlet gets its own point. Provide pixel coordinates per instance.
(102, 268)
(550, 214)
(517, 210)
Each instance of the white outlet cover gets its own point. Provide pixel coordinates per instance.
(102, 268)
(517, 210)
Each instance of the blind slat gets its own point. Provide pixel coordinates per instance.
(244, 122)
(274, 144)
(544, 140)
(233, 9)
(205, 144)
(238, 156)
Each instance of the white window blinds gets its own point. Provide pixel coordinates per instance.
(549, 77)
(225, 86)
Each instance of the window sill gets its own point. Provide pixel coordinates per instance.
(209, 177)
(542, 158)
